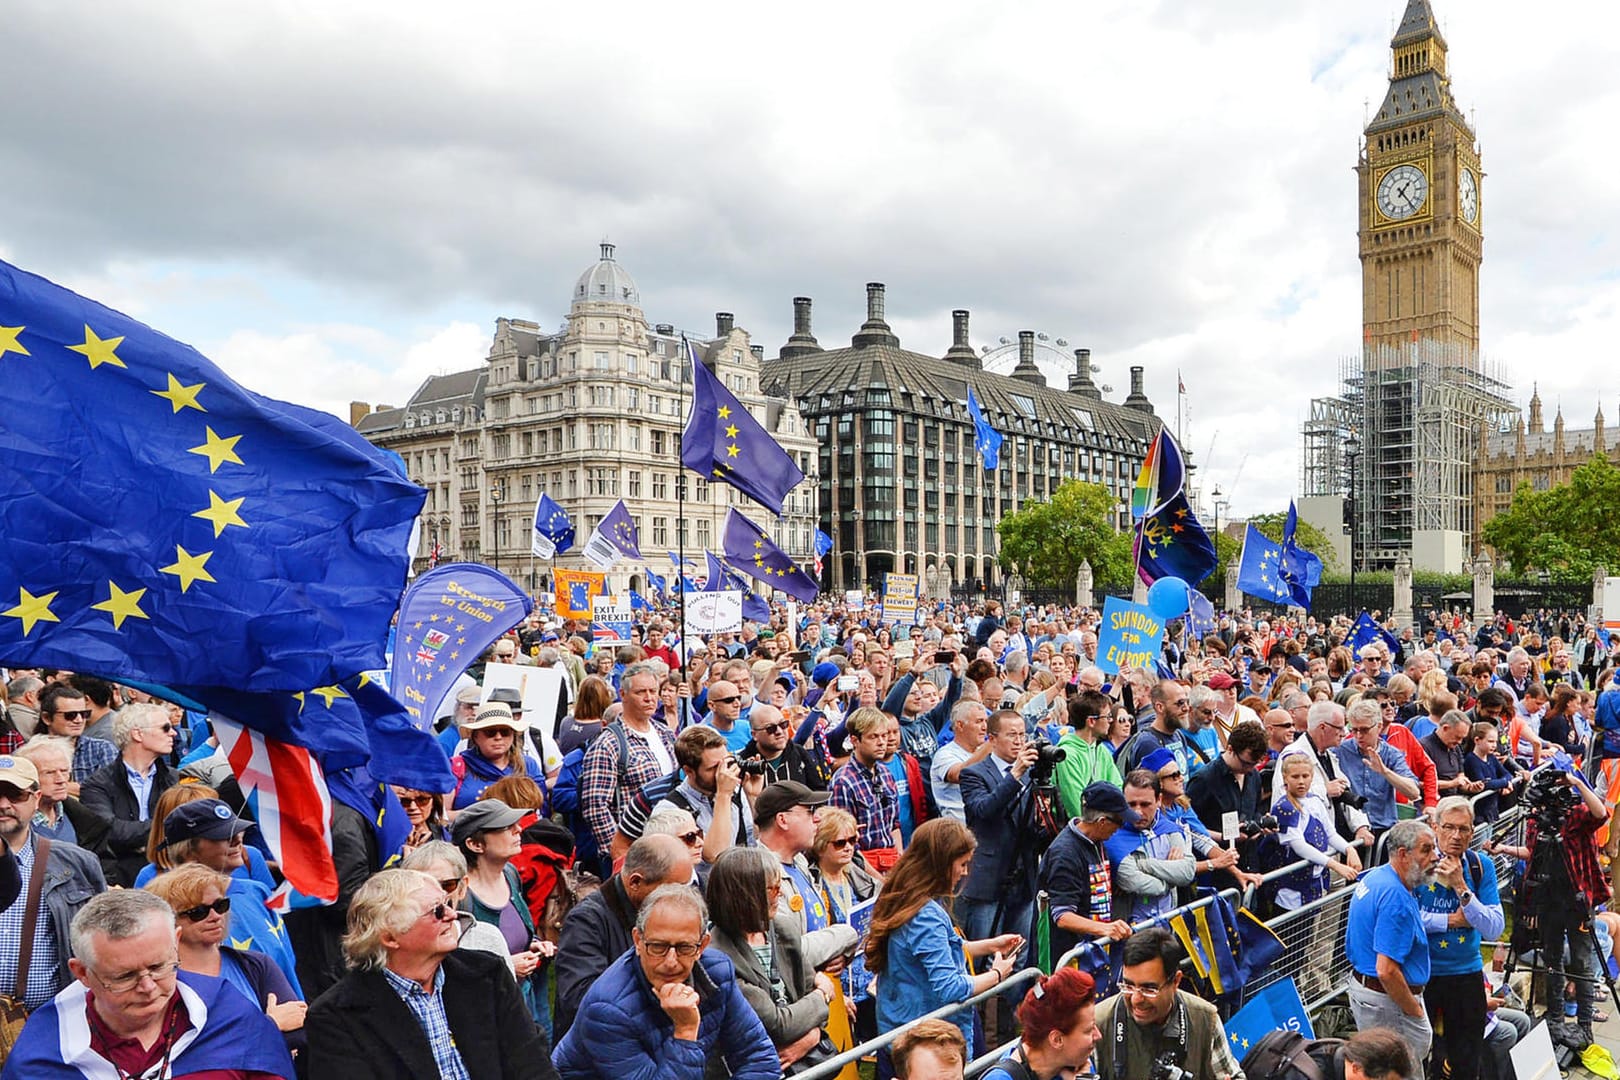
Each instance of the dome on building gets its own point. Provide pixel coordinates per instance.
(607, 282)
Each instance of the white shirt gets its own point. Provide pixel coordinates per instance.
(655, 745)
(948, 796)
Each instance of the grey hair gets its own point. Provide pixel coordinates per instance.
(1517, 653)
(1404, 835)
(1292, 700)
(433, 853)
(23, 684)
(42, 744)
(1454, 717)
(548, 654)
(652, 861)
(670, 821)
(680, 896)
(960, 710)
(136, 717)
(1015, 661)
(1323, 712)
(1451, 803)
(384, 904)
(642, 667)
(117, 915)
(1199, 696)
(1364, 709)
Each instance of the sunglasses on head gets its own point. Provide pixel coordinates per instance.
(202, 911)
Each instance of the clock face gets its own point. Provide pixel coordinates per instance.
(1402, 192)
(1468, 197)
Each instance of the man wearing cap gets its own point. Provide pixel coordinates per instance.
(69, 877)
(785, 816)
(466, 703)
(1076, 875)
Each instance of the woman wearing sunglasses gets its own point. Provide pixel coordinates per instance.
(425, 814)
(845, 884)
(203, 912)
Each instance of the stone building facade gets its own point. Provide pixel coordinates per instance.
(1528, 453)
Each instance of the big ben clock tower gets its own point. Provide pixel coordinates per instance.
(1420, 209)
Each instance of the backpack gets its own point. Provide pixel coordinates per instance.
(1288, 1055)
(565, 792)
(572, 886)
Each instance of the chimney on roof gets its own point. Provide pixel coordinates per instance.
(723, 322)
(874, 331)
(961, 351)
(759, 353)
(1080, 382)
(1137, 399)
(1026, 369)
(802, 341)
(358, 411)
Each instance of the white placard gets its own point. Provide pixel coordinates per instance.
(854, 599)
(612, 614)
(1533, 1057)
(541, 547)
(1229, 826)
(714, 612)
(538, 688)
(600, 551)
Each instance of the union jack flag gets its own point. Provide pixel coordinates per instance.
(603, 633)
(435, 555)
(432, 642)
(286, 788)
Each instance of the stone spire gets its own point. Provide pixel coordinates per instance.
(1536, 427)
(1598, 445)
(1558, 434)
(802, 340)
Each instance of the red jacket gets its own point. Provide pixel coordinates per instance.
(1417, 760)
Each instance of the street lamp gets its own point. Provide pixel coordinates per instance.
(1352, 450)
(495, 534)
(1220, 504)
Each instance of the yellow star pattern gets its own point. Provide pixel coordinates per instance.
(217, 450)
(32, 609)
(8, 340)
(731, 431)
(328, 694)
(99, 351)
(732, 451)
(121, 605)
(222, 512)
(724, 412)
(188, 567)
(181, 397)
(242, 943)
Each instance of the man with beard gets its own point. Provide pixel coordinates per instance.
(1167, 730)
(1385, 940)
(772, 745)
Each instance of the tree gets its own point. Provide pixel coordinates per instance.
(1566, 530)
(1306, 535)
(1047, 541)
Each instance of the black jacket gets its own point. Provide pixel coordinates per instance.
(594, 934)
(317, 932)
(361, 1030)
(109, 797)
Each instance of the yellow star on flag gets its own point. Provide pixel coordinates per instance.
(32, 609)
(731, 431)
(99, 351)
(217, 450)
(732, 451)
(8, 340)
(121, 605)
(329, 694)
(222, 512)
(181, 397)
(188, 567)
(724, 412)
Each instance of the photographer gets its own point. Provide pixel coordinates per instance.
(1152, 1028)
(772, 747)
(990, 792)
(711, 789)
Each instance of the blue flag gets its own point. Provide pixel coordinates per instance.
(1273, 1008)
(1260, 569)
(723, 578)
(679, 563)
(1171, 543)
(1366, 631)
(553, 532)
(359, 790)
(824, 544)
(746, 547)
(1201, 614)
(659, 584)
(619, 530)
(688, 585)
(164, 524)
(722, 441)
(1301, 569)
(639, 602)
(446, 621)
(986, 439)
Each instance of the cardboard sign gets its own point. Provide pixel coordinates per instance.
(1130, 636)
(854, 599)
(610, 619)
(714, 612)
(900, 598)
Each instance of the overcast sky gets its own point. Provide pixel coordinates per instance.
(336, 200)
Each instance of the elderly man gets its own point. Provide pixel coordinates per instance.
(133, 1013)
(1517, 674)
(1385, 940)
(1228, 713)
(415, 1005)
(1324, 731)
(1373, 767)
(1372, 657)
(60, 816)
(64, 711)
(968, 747)
(123, 793)
(1448, 747)
(669, 1007)
(1151, 856)
(22, 703)
(1460, 908)
(1297, 704)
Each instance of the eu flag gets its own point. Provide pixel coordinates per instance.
(1201, 614)
(164, 524)
(748, 548)
(553, 532)
(986, 439)
(1301, 569)
(1171, 543)
(1276, 1007)
(1162, 478)
(620, 530)
(1260, 569)
(723, 577)
(579, 595)
(722, 441)
(657, 581)
(1366, 631)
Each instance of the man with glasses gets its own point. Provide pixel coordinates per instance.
(1167, 730)
(63, 712)
(1460, 907)
(1152, 1018)
(725, 703)
(60, 816)
(1374, 767)
(1231, 783)
(1325, 729)
(1088, 756)
(413, 1004)
(133, 1012)
(772, 746)
(69, 876)
(123, 793)
(669, 1007)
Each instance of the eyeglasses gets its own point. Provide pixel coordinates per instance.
(75, 714)
(417, 800)
(660, 949)
(1364, 730)
(450, 885)
(202, 911)
(1390, 705)
(1464, 829)
(726, 700)
(166, 729)
(1248, 762)
(1170, 775)
(1145, 990)
(690, 838)
(441, 911)
(772, 729)
(842, 842)
(1180, 703)
(129, 980)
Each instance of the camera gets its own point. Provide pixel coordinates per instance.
(1351, 798)
(749, 766)
(1167, 1066)
(1047, 757)
(1251, 829)
(1548, 798)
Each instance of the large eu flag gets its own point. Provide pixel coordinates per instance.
(1171, 543)
(553, 532)
(722, 441)
(748, 549)
(164, 524)
(1260, 569)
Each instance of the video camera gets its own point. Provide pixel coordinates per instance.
(1549, 798)
(1047, 757)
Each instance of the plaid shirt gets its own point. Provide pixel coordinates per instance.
(873, 797)
(42, 968)
(602, 798)
(90, 756)
(428, 1008)
(1579, 841)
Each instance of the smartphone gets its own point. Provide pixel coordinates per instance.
(846, 683)
(946, 657)
(800, 656)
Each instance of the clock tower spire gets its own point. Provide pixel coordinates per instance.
(1419, 210)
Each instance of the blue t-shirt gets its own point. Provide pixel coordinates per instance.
(737, 737)
(1456, 952)
(1384, 919)
(908, 818)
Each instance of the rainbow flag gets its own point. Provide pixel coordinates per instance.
(1161, 478)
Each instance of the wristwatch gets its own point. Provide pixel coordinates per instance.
(1464, 898)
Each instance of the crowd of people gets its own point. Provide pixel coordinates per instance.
(744, 855)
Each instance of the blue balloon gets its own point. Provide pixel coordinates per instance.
(1167, 597)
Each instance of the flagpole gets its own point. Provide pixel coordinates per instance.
(687, 357)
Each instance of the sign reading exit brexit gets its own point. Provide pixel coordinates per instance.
(1130, 636)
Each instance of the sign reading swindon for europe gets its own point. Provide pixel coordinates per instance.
(610, 618)
(900, 598)
(1130, 636)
